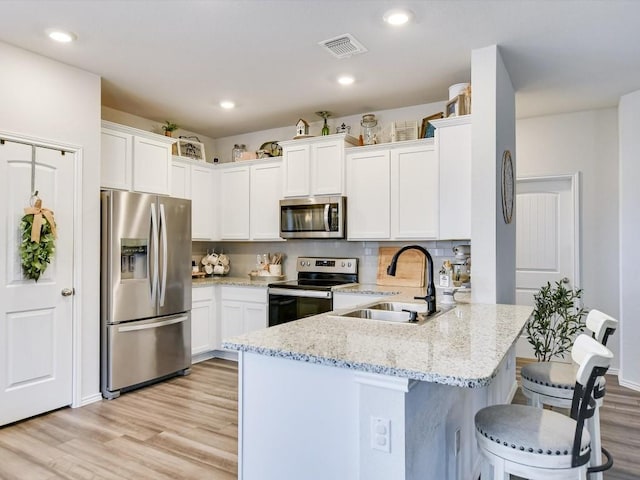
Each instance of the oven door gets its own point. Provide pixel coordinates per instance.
(287, 305)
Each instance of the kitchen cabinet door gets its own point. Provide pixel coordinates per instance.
(369, 195)
(414, 193)
(203, 320)
(231, 319)
(180, 178)
(204, 208)
(266, 192)
(115, 159)
(296, 170)
(255, 317)
(234, 203)
(453, 145)
(151, 166)
(327, 168)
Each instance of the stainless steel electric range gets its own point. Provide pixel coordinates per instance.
(312, 292)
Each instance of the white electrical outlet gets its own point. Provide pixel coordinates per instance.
(381, 434)
(456, 445)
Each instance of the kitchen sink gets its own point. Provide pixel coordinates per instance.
(396, 312)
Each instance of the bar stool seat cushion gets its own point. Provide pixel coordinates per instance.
(551, 374)
(532, 436)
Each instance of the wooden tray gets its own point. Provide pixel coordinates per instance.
(409, 270)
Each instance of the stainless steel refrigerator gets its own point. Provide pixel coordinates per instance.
(145, 289)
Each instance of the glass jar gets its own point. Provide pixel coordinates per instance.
(369, 123)
(236, 152)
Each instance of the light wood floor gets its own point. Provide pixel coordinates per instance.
(186, 428)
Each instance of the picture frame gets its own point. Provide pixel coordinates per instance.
(455, 107)
(427, 130)
(190, 149)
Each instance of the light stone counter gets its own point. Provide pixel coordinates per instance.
(222, 280)
(462, 347)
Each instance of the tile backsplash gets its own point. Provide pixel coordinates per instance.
(243, 254)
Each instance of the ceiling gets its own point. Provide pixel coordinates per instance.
(176, 60)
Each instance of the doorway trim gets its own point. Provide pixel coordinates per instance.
(574, 178)
(76, 327)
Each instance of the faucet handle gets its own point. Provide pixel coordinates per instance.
(413, 315)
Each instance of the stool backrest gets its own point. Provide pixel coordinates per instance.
(593, 359)
(601, 324)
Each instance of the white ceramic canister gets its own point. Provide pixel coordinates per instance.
(457, 89)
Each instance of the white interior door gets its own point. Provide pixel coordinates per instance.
(546, 234)
(35, 318)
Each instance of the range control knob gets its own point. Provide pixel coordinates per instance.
(342, 264)
(349, 264)
(301, 263)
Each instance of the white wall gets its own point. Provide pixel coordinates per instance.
(124, 118)
(49, 100)
(629, 198)
(254, 140)
(493, 124)
(586, 142)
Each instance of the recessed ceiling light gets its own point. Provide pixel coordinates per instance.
(227, 104)
(398, 16)
(61, 36)
(346, 80)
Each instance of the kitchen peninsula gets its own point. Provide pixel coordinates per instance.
(347, 398)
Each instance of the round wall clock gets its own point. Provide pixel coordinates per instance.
(508, 186)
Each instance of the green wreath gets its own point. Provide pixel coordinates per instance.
(36, 256)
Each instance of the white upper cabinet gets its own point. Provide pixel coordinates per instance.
(250, 200)
(180, 178)
(133, 159)
(234, 198)
(266, 192)
(315, 166)
(368, 195)
(204, 207)
(453, 145)
(392, 192)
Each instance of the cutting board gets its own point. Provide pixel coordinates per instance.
(409, 269)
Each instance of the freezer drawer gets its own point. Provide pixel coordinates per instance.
(144, 350)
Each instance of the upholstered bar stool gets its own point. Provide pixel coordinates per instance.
(542, 444)
(552, 383)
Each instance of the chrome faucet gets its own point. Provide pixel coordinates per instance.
(430, 297)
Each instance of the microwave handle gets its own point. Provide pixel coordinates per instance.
(327, 227)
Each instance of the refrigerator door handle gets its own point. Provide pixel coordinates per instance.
(163, 233)
(147, 326)
(153, 247)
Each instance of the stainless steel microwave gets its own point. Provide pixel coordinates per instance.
(313, 217)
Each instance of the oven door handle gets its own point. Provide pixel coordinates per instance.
(290, 292)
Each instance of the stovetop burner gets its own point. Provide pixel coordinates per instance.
(321, 273)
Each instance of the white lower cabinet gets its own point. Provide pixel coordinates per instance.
(393, 192)
(204, 336)
(242, 310)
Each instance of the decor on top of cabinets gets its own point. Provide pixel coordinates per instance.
(427, 129)
(302, 129)
(324, 114)
(272, 148)
(369, 123)
(343, 129)
(508, 186)
(190, 147)
(556, 319)
(169, 127)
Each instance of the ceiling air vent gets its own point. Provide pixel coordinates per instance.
(343, 46)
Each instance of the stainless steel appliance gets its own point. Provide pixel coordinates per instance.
(313, 217)
(145, 291)
(312, 292)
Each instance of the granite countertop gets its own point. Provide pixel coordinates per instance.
(223, 280)
(462, 347)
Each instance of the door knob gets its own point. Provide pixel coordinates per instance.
(66, 292)
(565, 280)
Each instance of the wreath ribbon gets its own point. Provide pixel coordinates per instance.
(38, 213)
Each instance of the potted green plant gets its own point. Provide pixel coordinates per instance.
(556, 320)
(169, 127)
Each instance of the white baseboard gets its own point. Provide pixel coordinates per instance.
(626, 383)
(201, 357)
(227, 355)
(95, 397)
